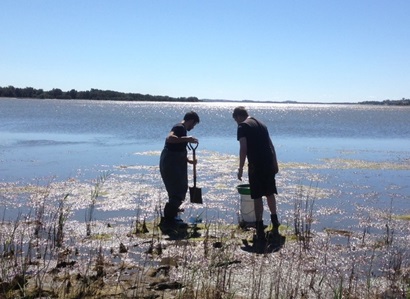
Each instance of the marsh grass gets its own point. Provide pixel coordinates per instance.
(303, 216)
(95, 193)
(45, 253)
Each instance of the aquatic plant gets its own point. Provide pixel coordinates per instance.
(95, 193)
(62, 214)
(303, 216)
(43, 252)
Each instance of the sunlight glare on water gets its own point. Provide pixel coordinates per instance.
(340, 151)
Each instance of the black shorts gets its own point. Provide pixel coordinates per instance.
(262, 181)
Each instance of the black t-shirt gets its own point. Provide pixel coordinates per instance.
(257, 140)
(180, 131)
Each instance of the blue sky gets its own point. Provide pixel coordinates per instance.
(325, 51)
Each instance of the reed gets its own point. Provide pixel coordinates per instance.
(42, 256)
(95, 193)
(303, 216)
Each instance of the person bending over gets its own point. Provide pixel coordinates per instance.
(256, 145)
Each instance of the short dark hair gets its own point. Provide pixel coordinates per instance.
(240, 111)
(191, 115)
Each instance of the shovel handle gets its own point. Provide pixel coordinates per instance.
(193, 148)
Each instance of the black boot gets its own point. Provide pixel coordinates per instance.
(274, 237)
(169, 222)
(259, 241)
(260, 230)
(275, 224)
(170, 211)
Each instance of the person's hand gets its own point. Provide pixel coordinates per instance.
(192, 139)
(193, 161)
(240, 173)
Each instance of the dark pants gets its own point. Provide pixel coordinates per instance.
(174, 172)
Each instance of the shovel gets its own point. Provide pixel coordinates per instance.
(194, 192)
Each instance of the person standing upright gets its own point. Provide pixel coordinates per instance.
(174, 169)
(256, 145)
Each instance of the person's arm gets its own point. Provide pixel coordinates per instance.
(172, 138)
(243, 150)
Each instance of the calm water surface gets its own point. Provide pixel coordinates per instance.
(356, 155)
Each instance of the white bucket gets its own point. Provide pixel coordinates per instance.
(247, 207)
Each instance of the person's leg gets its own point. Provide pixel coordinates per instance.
(260, 229)
(170, 211)
(174, 174)
(273, 214)
(258, 206)
(271, 203)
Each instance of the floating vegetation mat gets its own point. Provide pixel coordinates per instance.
(361, 164)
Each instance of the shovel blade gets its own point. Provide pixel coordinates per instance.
(196, 195)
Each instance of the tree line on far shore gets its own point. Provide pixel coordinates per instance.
(109, 95)
(402, 102)
(92, 94)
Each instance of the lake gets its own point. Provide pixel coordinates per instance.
(350, 161)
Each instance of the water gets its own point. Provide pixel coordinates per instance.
(351, 158)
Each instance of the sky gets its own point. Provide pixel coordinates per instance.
(306, 51)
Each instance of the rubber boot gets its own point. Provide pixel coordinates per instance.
(259, 242)
(169, 221)
(274, 237)
(170, 212)
(275, 224)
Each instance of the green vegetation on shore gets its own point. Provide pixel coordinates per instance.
(110, 95)
(402, 102)
(92, 94)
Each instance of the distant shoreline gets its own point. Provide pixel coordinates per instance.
(196, 101)
(372, 103)
(109, 95)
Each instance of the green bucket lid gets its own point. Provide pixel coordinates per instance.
(244, 189)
